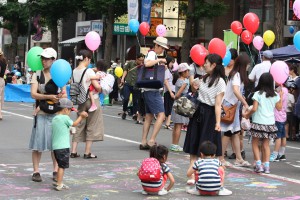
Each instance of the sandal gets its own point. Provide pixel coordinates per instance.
(168, 127)
(144, 147)
(226, 163)
(74, 155)
(88, 156)
(242, 163)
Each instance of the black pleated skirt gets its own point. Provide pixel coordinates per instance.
(202, 128)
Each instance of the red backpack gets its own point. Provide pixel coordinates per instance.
(150, 170)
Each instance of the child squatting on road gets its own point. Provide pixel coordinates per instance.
(61, 124)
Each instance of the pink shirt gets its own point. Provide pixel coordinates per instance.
(280, 116)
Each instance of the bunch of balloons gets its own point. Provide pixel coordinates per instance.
(144, 28)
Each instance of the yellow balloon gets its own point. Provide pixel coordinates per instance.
(118, 72)
(269, 37)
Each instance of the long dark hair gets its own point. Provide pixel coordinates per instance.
(218, 72)
(266, 84)
(158, 152)
(240, 65)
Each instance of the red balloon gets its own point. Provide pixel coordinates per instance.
(144, 28)
(251, 22)
(236, 27)
(198, 54)
(247, 37)
(217, 46)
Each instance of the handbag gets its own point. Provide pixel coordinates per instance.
(186, 105)
(228, 113)
(150, 77)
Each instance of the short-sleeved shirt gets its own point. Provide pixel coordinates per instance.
(291, 102)
(229, 94)
(207, 94)
(179, 83)
(280, 115)
(156, 184)
(131, 69)
(196, 70)
(169, 78)
(61, 132)
(77, 73)
(209, 178)
(265, 111)
(258, 70)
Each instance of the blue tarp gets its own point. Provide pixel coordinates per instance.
(286, 53)
(21, 93)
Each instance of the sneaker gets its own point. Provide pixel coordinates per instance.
(266, 170)
(54, 174)
(176, 148)
(224, 192)
(258, 169)
(282, 158)
(61, 187)
(273, 157)
(36, 177)
(193, 191)
(243, 154)
(162, 192)
(93, 108)
(144, 192)
(232, 156)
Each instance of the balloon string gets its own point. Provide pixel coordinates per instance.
(94, 59)
(145, 41)
(138, 40)
(259, 55)
(251, 55)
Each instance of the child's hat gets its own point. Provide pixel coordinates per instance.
(183, 67)
(65, 103)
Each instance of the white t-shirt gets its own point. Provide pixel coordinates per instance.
(229, 95)
(258, 70)
(169, 78)
(77, 73)
(207, 94)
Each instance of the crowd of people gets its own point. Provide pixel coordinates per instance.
(270, 106)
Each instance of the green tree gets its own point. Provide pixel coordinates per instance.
(15, 19)
(111, 9)
(52, 11)
(197, 9)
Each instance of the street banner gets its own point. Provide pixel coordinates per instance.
(146, 10)
(133, 9)
(230, 39)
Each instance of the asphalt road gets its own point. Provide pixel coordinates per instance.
(113, 174)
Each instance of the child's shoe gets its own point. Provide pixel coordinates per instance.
(193, 191)
(93, 108)
(224, 192)
(162, 192)
(61, 187)
(144, 192)
(266, 170)
(273, 157)
(258, 169)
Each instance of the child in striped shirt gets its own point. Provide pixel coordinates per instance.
(209, 174)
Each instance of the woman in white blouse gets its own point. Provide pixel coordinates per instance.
(205, 124)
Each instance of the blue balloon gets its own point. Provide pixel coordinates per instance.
(291, 29)
(61, 72)
(227, 58)
(134, 25)
(296, 40)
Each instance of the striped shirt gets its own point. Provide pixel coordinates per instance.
(164, 170)
(209, 178)
(207, 94)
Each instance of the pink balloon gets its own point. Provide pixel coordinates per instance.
(279, 71)
(161, 30)
(92, 40)
(296, 8)
(258, 42)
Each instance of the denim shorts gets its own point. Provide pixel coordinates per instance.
(62, 157)
(281, 129)
(153, 102)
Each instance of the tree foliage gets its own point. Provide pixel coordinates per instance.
(198, 9)
(111, 9)
(52, 11)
